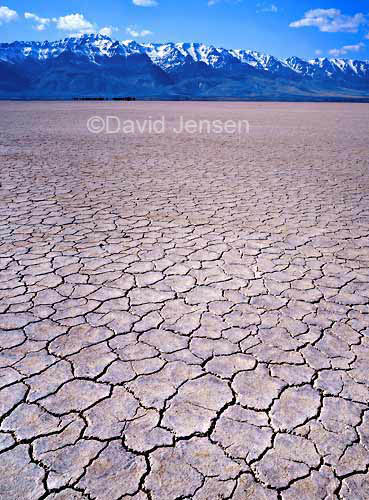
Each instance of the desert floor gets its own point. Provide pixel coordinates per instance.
(184, 316)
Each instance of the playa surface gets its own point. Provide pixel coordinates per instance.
(184, 316)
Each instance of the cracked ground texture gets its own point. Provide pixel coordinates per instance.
(181, 316)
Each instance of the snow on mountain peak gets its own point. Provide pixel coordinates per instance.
(170, 56)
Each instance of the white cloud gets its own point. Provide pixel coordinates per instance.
(40, 22)
(267, 8)
(330, 20)
(7, 15)
(346, 48)
(131, 30)
(214, 2)
(145, 3)
(107, 30)
(74, 23)
(318, 52)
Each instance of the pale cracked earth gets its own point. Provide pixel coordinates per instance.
(184, 317)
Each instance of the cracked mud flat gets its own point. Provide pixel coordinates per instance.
(184, 317)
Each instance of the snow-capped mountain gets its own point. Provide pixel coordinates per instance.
(96, 63)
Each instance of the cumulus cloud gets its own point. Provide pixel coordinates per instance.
(131, 30)
(40, 22)
(330, 20)
(7, 15)
(145, 3)
(346, 48)
(267, 8)
(107, 30)
(214, 2)
(75, 23)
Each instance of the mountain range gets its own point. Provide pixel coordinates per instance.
(96, 65)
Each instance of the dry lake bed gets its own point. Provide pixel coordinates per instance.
(184, 315)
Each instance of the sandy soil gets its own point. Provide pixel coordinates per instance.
(184, 315)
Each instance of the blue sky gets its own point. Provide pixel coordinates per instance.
(305, 29)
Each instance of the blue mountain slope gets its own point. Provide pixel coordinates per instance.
(95, 64)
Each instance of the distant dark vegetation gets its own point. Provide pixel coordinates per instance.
(104, 98)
